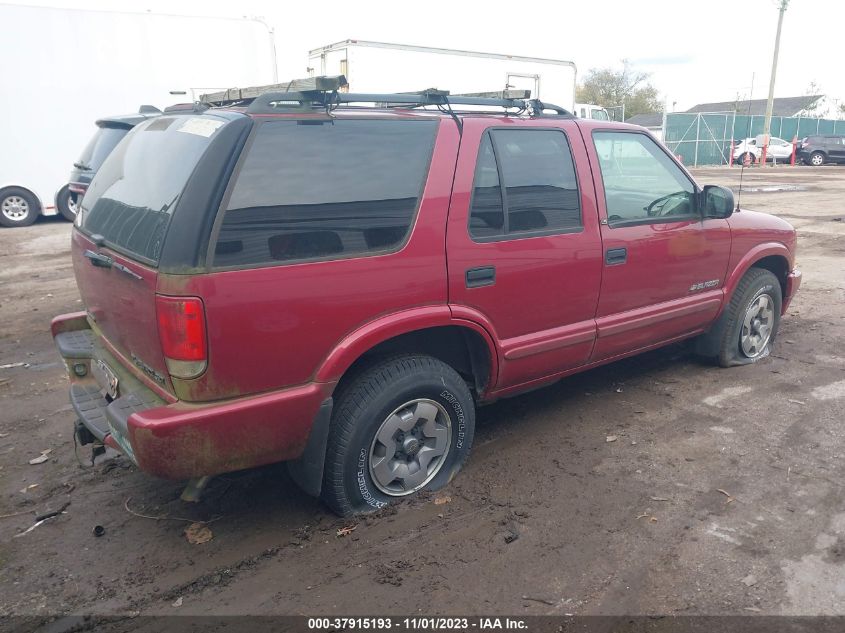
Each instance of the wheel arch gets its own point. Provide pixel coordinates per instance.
(464, 345)
(774, 257)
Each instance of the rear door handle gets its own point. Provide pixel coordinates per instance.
(616, 256)
(482, 276)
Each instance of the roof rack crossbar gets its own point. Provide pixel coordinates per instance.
(264, 102)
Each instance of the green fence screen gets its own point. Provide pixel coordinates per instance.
(705, 138)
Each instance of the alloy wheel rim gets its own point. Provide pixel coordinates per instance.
(15, 208)
(757, 326)
(410, 447)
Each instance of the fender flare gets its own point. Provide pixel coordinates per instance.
(389, 326)
(748, 260)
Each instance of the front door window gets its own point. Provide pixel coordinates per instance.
(642, 184)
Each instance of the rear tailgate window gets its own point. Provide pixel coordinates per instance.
(132, 197)
(100, 146)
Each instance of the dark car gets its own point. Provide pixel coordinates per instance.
(110, 131)
(339, 287)
(820, 149)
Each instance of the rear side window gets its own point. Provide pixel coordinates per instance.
(132, 197)
(100, 146)
(325, 190)
(540, 192)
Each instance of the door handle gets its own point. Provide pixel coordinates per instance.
(616, 256)
(482, 276)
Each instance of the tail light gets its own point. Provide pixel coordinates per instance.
(77, 188)
(181, 329)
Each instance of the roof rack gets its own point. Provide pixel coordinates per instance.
(309, 84)
(324, 92)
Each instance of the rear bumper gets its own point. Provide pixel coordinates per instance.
(793, 283)
(181, 440)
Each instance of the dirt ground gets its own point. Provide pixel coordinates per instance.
(723, 492)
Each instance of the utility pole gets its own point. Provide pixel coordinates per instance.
(770, 104)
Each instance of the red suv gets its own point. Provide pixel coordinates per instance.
(340, 286)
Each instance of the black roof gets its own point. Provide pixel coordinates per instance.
(782, 106)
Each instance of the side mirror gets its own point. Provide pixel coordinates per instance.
(717, 202)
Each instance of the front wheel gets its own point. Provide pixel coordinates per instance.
(817, 159)
(403, 425)
(753, 318)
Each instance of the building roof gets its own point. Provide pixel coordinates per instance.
(782, 106)
(647, 120)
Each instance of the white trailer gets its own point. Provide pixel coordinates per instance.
(62, 69)
(379, 67)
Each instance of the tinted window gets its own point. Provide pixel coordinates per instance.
(320, 189)
(487, 216)
(641, 182)
(540, 188)
(99, 147)
(132, 197)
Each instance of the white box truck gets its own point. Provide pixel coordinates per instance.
(379, 67)
(62, 69)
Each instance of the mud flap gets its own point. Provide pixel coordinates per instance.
(307, 471)
(708, 344)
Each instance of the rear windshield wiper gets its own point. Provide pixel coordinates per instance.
(82, 166)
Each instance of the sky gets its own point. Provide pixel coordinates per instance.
(695, 52)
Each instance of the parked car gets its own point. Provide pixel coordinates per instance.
(820, 149)
(110, 131)
(340, 287)
(779, 150)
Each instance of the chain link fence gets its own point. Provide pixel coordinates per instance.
(705, 138)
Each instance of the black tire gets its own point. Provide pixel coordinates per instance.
(817, 159)
(66, 201)
(12, 212)
(752, 159)
(368, 402)
(756, 282)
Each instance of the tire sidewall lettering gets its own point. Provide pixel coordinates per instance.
(459, 413)
(363, 487)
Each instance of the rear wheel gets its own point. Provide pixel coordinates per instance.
(67, 203)
(817, 159)
(403, 425)
(18, 207)
(753, 318)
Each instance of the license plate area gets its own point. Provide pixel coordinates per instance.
(106, 378)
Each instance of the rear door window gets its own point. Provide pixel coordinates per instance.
(540, 193)
(132, 197)
(325, 190)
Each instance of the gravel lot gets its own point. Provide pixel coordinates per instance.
(723, 492)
